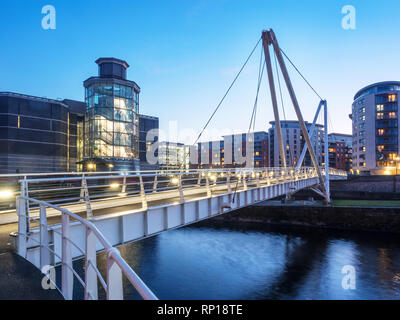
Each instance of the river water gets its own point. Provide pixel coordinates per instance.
(234, 262)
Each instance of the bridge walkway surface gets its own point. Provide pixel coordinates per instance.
(21, 280)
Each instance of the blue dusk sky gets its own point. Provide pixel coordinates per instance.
(184, 54)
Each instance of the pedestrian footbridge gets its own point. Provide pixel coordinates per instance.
(63, 217)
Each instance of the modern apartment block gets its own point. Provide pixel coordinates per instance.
(235, 151)
(39, 134)
(376, 128)
(340, 151)
(293, 142)
(173, 156)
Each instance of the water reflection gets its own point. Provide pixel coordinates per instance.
(264, 263)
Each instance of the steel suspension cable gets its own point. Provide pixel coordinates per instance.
(308, 83)
(227, 92)
(283, 106)
(261, 68)
(260, 76)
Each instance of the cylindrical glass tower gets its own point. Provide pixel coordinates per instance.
(111, 121)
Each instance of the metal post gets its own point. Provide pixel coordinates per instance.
(244, 182)
(22, 232)
(228, 182)
(297, 108)
(180, 188)
(89, 213)
(82, 195)
(266, 42)
(326, 147)
(209, 194)
(311, 134)
(44, 239)
(199, 179)
(155, 183)
(91, 290)
(114, 278)
(25, 193)
(143, 193)
(123, 191)
(67, 275)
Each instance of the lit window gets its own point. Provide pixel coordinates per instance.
(392, 115)
(364, 149)
(381, 132)
(379, 107)
(392, 98)
(379, 116)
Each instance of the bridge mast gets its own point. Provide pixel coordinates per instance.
(270, 39)
(266, 43)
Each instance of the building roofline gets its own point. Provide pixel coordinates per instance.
(359, 92)
(112, 60)
(113, 80)
(340, 134)
(34, 98)
(295, 121)
(148, 117)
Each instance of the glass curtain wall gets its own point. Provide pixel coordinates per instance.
(111, 121)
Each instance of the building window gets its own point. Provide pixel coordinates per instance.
(392, 98)
(380, 107)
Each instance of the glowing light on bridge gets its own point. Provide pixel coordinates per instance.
(6, 194)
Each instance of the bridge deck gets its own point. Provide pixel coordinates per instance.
(21, 280)
(118, 205)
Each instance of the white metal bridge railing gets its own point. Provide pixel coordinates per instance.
(69, 196)
(89, 187)
(116, 266)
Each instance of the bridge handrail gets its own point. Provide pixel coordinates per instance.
(113, 283)
(77, 187)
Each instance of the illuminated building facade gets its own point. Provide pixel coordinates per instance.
(340, 151)
(376, 129)
(294, 143)
(226, 153)
(173, 156)
(111, 119)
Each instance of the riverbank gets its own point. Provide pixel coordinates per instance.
(373, 219)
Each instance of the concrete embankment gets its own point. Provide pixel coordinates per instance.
(343, 218)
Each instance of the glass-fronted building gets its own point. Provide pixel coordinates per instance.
(376, 129)
(111, 119)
